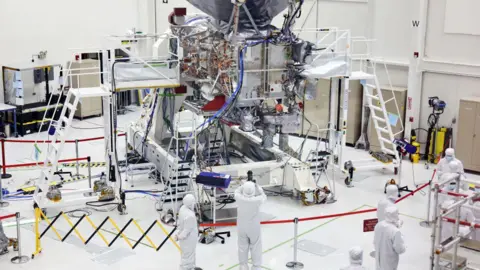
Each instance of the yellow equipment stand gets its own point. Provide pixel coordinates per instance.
(38, 245)
(438, 136)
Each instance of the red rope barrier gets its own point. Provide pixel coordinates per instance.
(7, 216)
(42, 163)
(338, 215)
(230, 224)
(452, 193)
(91, 139)
(452, 220)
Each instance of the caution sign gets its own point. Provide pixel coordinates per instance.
(369, 224)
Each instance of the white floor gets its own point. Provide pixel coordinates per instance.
(339, 234)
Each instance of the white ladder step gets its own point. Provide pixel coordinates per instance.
(384, 130)
(376, 108)
(65, 120)
(388, 100)
(372, 97)
(379, 119)
(388, 151)
(386, 140)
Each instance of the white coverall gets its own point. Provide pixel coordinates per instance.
(443, 165)
(187, 232)
(450, 171)
(388, 241)
(448, 228)
(389, 200)
(249, 198)
(356, 259)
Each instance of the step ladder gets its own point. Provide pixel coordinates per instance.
(380, 117)
(318, 162)
(177, 175)
(178, 183)
(55, 147)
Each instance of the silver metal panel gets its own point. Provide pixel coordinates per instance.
(262, 11)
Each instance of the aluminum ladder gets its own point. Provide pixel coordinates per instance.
(380, 117)
(57, 142)
(177, 178)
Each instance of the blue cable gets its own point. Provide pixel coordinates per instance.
(232, 97)
(141, 192)
(226, 104)
(195, 19)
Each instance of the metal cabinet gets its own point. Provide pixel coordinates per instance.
(318, 110)
(467, 146)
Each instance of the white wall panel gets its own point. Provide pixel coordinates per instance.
(29, 26)
(461, 17)
(450, 47)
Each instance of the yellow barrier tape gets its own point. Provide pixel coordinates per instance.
(166, 233)
(71, 225)
(53, 228)
(146, 236)
(123, 236)
(95, 227)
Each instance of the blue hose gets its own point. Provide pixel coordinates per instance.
(232, 97)
(141, 192)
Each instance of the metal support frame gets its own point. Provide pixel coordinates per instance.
(77, 164)
(438, 246)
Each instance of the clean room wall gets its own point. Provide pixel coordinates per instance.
(452, 62)
(29, 26)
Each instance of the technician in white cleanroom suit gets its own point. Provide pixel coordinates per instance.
(455, 170)
(388, 241)
(389, 200)
(356, 259)
(249, 198)
(187, 232)
(443, 164)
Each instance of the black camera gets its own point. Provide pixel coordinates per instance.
(250, 177)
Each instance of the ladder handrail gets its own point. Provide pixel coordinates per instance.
(48, 105)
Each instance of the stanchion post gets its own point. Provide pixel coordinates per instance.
(19, 259)
(295, 264)
(89, 172)
(435, 226)
(77, 156)
(427, 222)
(2, 203)
(126, 145)
(4, 175)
